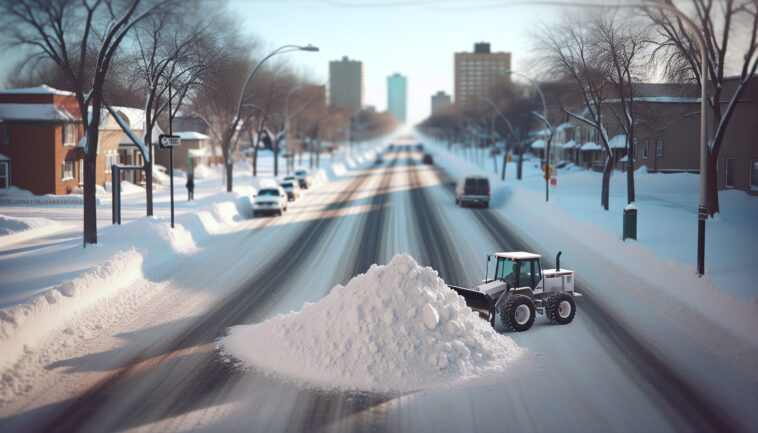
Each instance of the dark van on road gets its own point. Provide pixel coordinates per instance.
(473, 190)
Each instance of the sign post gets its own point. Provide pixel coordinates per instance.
(169, 142)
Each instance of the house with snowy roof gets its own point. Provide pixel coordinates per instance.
(667, 137)
(42, 141)
(116, 147)
(39, 131)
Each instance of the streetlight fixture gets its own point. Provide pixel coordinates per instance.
(281, 50)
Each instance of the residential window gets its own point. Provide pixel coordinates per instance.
(659, 147)
(645, 143)
(5, 139)
(69, 136)
(754, 175)
(5, 175)
(729, 173)
(67, 170)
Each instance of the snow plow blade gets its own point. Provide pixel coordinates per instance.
(479, 302)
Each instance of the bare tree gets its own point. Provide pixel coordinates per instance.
(730, 31)
(570, 47)
(169, 60)
(217, 99)
(69, 33)
(623, 43)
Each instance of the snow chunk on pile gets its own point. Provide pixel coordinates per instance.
(395, 328)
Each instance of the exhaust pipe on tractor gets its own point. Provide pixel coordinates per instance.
(558, 261)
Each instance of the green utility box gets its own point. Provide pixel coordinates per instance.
(630, 222)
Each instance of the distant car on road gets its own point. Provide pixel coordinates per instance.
(473, 190)
(292, 188)
(304, 178)
(428, 159)
(270, 201)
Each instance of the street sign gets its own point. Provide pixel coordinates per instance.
(169, 141)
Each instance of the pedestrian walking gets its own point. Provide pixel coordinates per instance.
(190, 187)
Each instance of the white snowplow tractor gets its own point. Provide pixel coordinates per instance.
(519, 289)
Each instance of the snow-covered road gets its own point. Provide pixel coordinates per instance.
(156, 368)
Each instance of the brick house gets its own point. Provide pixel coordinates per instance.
(39, 131)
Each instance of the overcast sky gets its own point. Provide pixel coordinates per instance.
(415, 38)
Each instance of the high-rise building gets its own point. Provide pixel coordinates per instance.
(397, 95)
(476, 73)
(440, 102)
(346, 84)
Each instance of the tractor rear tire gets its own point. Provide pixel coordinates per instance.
(560, 309)
(518, 312)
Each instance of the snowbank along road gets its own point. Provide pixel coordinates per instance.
(592, 375)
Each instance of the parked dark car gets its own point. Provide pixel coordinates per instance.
(473, 190)
(428, 159)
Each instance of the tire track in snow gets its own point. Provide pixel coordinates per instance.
(437, 250)
(317, 410)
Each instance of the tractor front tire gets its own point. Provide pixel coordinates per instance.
(518, 312)
(560, 309)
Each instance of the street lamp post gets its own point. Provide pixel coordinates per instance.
(286, 132)
(548, 128)
(700, 42)
(281, 50)
(510, 127)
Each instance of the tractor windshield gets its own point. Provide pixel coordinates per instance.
(506, 270)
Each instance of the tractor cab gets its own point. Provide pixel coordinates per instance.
(516, 269)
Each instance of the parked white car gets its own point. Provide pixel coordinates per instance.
(270, 201)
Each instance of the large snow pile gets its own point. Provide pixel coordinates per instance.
(395, 328)
(10, 225)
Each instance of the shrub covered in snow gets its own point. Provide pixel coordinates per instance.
(397, 327)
